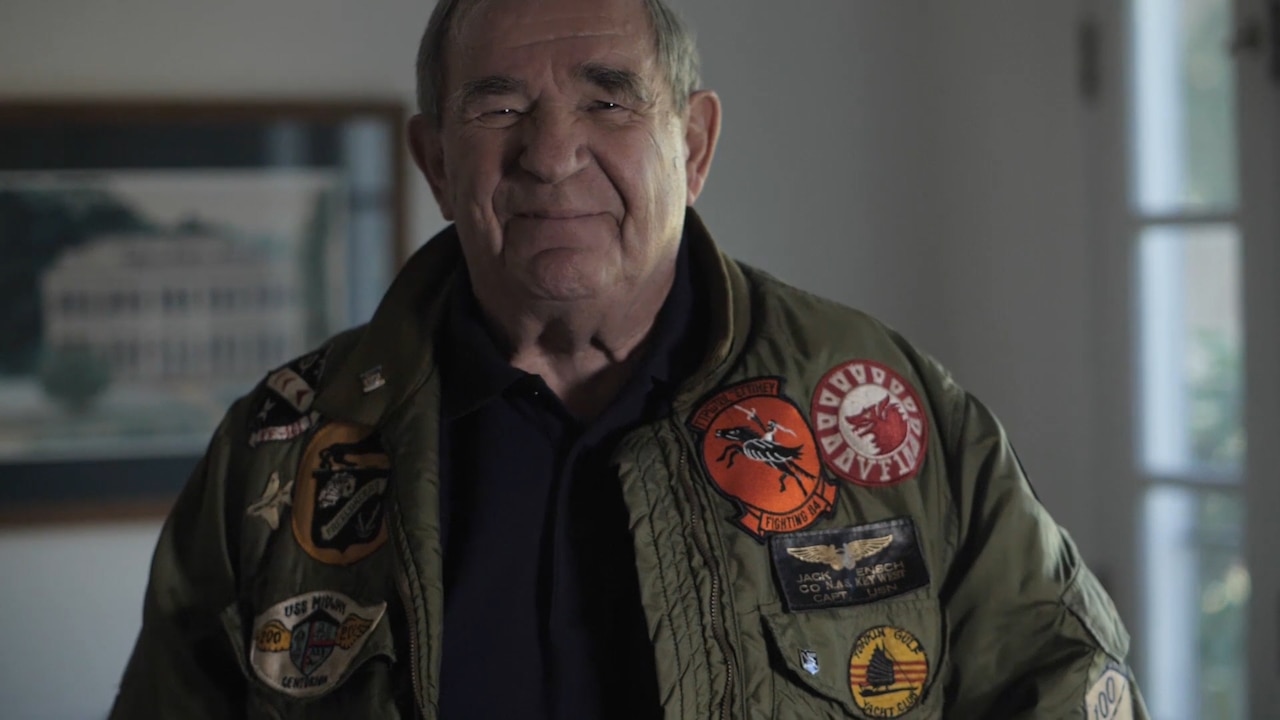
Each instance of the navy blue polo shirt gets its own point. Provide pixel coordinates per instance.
(542, 615)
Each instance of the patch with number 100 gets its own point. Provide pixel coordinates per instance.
(1109, 698)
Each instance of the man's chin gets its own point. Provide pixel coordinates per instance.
(560, 291)
(567, 283)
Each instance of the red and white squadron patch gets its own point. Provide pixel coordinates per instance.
(870, 424)
(760, 453)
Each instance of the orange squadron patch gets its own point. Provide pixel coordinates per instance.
(760, 453)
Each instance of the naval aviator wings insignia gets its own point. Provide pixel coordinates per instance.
(845, 557)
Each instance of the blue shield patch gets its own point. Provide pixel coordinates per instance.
(313, 641)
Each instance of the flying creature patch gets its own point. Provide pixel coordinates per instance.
(760, 453)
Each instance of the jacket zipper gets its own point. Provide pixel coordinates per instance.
(406, 597)
(717, 627)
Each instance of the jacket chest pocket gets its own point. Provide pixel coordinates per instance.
(880, 660)
(321, 666)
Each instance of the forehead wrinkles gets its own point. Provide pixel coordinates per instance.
(488, 38)
(480, 46)
(500, 26)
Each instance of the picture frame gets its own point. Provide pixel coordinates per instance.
(157, 259)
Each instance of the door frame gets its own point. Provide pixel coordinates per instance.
(1258, 93)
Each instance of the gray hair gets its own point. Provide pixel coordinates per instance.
(677, 54)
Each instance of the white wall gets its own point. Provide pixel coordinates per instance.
(925, 161)
(1013, 239)
(916, 158)
(822, 175)
(70, 608)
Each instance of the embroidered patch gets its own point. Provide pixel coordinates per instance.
(273, 501)
(870, 424)
(279, 433)
(290, 386)
(285, 413)
(809, 661)
(1110, 697)
(887, 672)
(848, 566)
(302, 646)
(760, 453)
(337, 503)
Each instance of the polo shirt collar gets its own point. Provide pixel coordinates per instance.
(475, 370)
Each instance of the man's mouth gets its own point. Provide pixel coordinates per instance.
(555, 214)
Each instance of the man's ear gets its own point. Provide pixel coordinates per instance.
(428, 154)
(702, 130)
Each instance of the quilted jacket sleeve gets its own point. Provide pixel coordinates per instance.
(1032, 632)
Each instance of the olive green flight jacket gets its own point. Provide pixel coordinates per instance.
(790, 565)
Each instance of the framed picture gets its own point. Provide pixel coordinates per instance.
(156, 260)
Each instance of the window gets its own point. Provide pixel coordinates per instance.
(1187, 247)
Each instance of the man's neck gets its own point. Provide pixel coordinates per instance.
(585, 351)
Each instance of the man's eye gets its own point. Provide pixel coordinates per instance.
(606, 105)
(498, 114)
(498, 117)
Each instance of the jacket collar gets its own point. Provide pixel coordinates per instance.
(395, 353)
(729, 315)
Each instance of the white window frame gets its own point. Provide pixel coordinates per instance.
(1115, 312)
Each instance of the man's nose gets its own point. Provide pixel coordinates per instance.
(554, 145)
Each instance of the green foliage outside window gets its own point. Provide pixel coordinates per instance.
(1217, 404)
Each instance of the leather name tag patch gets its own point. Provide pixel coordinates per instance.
(848, 566)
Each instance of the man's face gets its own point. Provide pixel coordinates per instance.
(560, 154)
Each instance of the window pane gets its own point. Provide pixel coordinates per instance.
(1191, 358)
(1184, 131)
(1197, 592)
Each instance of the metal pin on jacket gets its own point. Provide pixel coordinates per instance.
(372, 379)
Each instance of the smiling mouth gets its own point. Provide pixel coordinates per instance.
(555, 215)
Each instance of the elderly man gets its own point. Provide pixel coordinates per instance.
(582, 465)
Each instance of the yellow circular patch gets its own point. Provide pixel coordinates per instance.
(887, 672)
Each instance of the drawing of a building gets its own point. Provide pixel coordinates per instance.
(176, 308)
